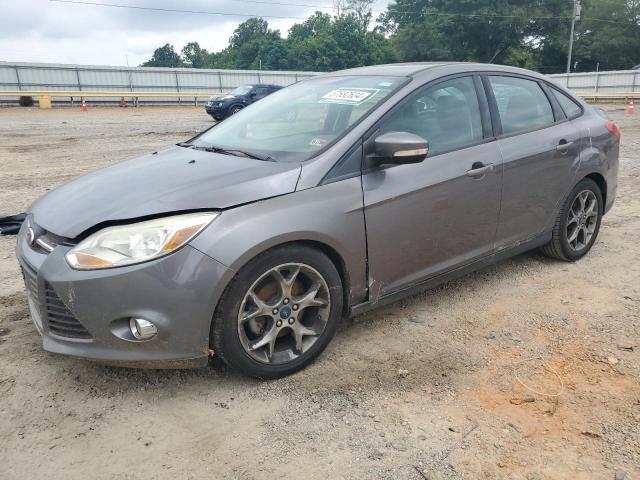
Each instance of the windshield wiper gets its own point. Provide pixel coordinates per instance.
(236, 152)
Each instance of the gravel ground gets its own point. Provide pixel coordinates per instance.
(529, 369)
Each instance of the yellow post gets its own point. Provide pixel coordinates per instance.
(44, 101)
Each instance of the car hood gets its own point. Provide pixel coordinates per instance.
(169, 181)
(221, 98)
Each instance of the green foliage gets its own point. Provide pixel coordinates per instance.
(528, 34)
(164, 56)
(614, 46)
(324, 43)
(195, 56)
(515, 32)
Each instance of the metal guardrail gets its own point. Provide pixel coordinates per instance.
(609, 95)
(83, 80)
(80, 94)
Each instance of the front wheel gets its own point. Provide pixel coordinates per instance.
(235, 109)
(279, 312)
(578, 223)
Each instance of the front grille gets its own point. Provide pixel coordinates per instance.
(59, 319)
(30, 281)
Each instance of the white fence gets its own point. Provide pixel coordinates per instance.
(620, 81)
(83, 78)
(79, 78)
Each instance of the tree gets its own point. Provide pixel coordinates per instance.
(482, 30)
(528, 34)
(195, 56)
(247, 31)
(523, 33)
(325, 43)
(254, 44)
(362, 11)
(608, 35)
(164, 56)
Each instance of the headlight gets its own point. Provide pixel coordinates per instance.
(139, 242)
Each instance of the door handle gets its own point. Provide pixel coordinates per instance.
(563, 146)
(479, 169)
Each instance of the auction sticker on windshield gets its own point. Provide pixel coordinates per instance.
(349, 96)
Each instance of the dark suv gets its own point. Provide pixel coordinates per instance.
(224, 106)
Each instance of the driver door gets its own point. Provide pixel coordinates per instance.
(258, 93)
(427, 218)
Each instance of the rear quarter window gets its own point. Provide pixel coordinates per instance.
(569, 106)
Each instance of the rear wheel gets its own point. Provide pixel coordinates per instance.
(578, 223)
(279, 312)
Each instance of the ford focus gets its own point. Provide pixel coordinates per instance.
(327, 198)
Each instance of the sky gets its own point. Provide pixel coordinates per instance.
(60, 32)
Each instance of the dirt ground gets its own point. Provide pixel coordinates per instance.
(529, 369)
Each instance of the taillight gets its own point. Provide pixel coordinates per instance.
(615, 131)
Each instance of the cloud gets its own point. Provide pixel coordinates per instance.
(46, 31)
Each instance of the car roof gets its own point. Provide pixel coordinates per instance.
(414, 68)
(392, 69)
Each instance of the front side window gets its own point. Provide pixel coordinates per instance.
(242, 90)
(522, 104)
(447, 115)
(298, 122)
(571, 109)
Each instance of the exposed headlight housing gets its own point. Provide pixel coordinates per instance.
(138, 242)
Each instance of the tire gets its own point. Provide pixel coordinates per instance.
(234, 109)
(233, 338)
(562, 246)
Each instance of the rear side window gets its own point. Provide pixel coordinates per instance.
(522, 104)
(447, 115)
(571, 109)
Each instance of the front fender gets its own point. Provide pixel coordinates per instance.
(330, 214)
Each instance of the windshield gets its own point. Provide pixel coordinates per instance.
(242, 90)
(298, 122)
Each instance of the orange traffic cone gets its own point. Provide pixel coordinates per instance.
(123, 103)
(84, 105)
(631, 110)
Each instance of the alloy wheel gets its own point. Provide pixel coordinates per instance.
(284, 313)
(582, 220)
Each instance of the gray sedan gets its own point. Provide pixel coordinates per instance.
(332, 196)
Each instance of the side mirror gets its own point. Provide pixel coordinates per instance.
(397, 148)
(252, 94)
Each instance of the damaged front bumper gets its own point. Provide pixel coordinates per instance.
(87, 313)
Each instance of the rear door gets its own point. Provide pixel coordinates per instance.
(423, 219)
(540, 154)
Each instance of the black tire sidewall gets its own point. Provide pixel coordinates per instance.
(226, 339)
(584, 184)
